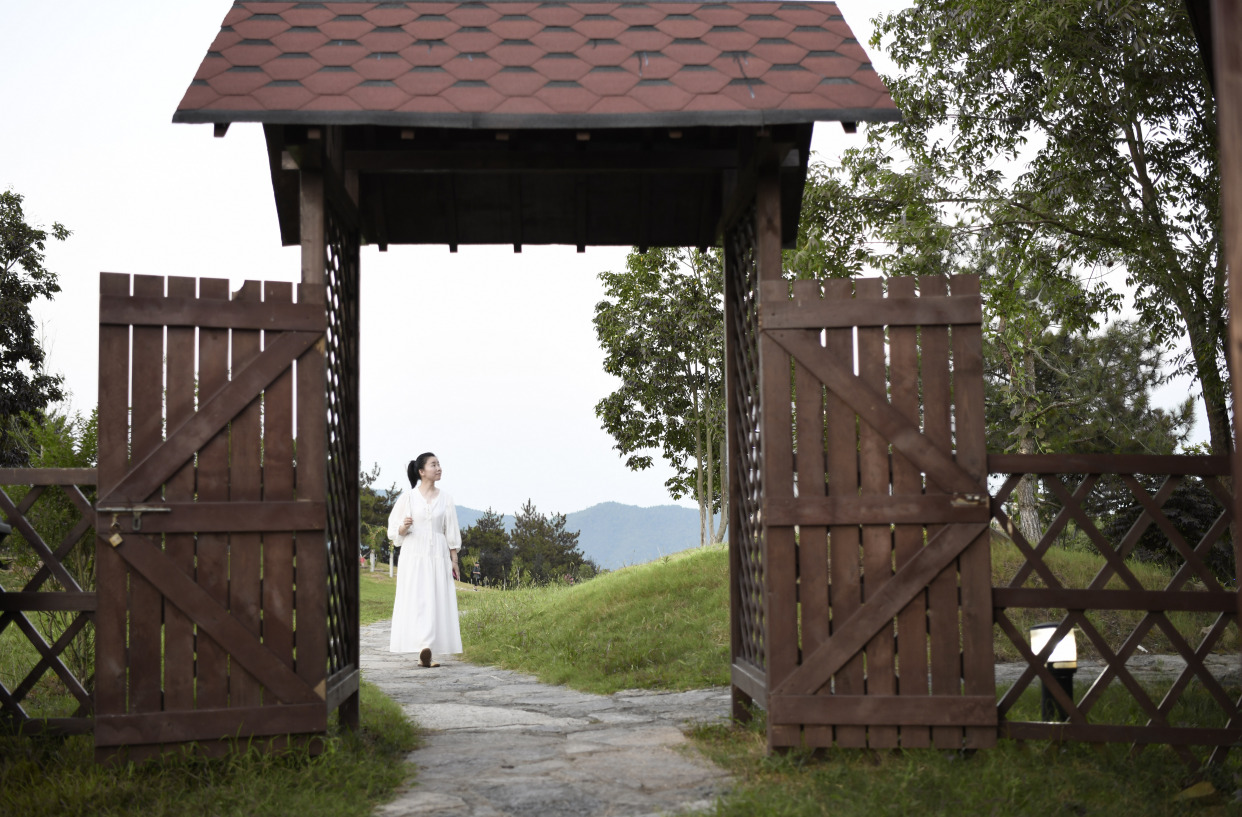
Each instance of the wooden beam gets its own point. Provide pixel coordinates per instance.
(314, 227)
(47, 476)
(1227, 44)
(1201, 466)
(505, 161)
(782, 313)
(137, 310)
(884, 710)
(1220, 601)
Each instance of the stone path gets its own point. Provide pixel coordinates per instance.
(501, 743)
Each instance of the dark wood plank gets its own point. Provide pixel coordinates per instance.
(186, 311)
(311, 576)
(813, 538)
(751, 680)
(1227, 71)
(845, 572)
(885, 712)
(48, 476)
(47, 601)
(179, 395)
(1185, 600)
(313, 226)
(942, 599)
(867, 402)
(210, 724)
(146, 609)
(246, 485)
(113, 461)
(212, 479)
(900, 311)
(214, 412)
(224, 517)
(908, 539)
(879, 509)
(595, 161)
(776, 446)
(1110, 733)
(877, 539)
(1108, 464)
(341, 687)
(278, 488)
(734, 281)
(975, 565)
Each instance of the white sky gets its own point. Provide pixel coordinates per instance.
(486, 357)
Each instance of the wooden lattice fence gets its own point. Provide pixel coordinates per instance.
(53, 610)
(1192, 615)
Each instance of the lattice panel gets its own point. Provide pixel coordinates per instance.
(1191, 615)
(47, 596)
(342, 443)
(746, 476)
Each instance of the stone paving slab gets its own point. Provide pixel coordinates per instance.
(501, 744)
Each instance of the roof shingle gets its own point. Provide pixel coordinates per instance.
(531, 64)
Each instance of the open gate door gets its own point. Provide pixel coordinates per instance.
(207, 525)
(875, 514)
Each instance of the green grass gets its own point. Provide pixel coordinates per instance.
(50, 776)
(661, 625)
(1035, 778)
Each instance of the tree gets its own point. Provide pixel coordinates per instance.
(1088, 128)
(488, 542)
(661, 327)
(25, 388)
(374, 507)
(544, 548)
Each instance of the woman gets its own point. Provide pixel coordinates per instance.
(423, 524)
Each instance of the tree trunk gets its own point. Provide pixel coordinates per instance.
(722, 464)
(1028, 513)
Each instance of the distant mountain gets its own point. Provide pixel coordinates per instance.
(616, 535)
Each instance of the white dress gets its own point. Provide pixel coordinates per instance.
(425, 611)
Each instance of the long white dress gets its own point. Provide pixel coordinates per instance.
(425, 611)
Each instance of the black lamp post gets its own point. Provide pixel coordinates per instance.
(1062, 662)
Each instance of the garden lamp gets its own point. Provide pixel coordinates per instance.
(1062, 662)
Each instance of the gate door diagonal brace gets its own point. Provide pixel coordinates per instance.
(245, 648)
(852, 635)
(147, 476)
(875, 410)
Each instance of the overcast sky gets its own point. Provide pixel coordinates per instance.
(486, 357)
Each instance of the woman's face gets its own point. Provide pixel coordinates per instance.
(430, 470)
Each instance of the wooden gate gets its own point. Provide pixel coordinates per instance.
(211, 554)
(862, 587)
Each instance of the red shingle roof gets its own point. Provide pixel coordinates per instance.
(535, 64)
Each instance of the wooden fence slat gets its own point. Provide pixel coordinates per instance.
(885, 712)
(184, 311)
(898, 311)
(48, 476)
(110, 571)
(278, 488)
(246, 485)
(908, 539)
(813, 538)
(978, 661)
(46, 601)
(216, 517)
(311, 571)
(844, 565)
(942, 598)
(210, 724)
(877, 539)
(1191, 465)
(179, 547)
(211, 668)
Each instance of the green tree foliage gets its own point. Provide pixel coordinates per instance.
(543, 551)
(1075, 132)
(486, 543)
(661, 327)
(374, 507)
(25, 388)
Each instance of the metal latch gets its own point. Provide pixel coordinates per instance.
(136, 510)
